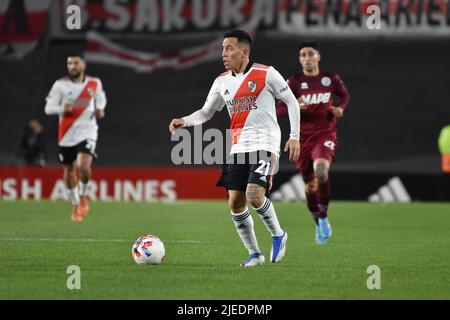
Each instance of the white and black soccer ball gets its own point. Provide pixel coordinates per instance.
(148, 250)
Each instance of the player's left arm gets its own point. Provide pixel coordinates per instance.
(280, 106)
(343, 97)
(100, 100)
(282, 91)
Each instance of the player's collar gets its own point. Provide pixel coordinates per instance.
(317, 75)
(82, 80)
(247, 68)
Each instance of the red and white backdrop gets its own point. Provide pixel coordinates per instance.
(352, 17)
(113, 184)
(22, 25)
(340, 17)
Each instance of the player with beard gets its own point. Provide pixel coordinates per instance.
(322, 97)
(78, 100)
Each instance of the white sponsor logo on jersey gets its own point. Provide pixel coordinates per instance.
(317, 98)
(304, 85)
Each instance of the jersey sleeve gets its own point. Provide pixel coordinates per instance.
(100, 96)
(341, 92)
(282, 91)
(54, 100)
(281, 108)
(277, 84)
(214, 100)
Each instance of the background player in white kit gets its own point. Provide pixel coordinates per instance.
(249, 91)
(78, 100)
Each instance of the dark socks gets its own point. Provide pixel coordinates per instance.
(323, 196)
(311, 201)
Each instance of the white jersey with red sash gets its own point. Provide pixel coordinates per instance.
(250, 101)
(80, 123)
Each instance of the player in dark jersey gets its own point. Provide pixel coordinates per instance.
(323, 97)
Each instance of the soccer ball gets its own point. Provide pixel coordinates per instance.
(148, 250)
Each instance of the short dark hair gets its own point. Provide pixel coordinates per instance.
(310, 44)
(241, 36)
(76, 54)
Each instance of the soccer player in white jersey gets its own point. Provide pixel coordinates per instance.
(78, 100)
(249, 91)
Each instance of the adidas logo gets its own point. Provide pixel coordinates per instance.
(241, 226)
(263, 178)
(226, 92)
(293, 190)
(393, 191)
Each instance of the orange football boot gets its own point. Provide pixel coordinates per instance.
(84, 206)
(76, 216)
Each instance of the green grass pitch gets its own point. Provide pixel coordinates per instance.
(38, 241)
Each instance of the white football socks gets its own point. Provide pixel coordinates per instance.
(73, 196)
(268, 215)
(83, 188)
(244, 227)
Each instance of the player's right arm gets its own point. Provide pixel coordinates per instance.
(54, 104)
(214, 102)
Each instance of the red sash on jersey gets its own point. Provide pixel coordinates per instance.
(69, 118)
(238, 118)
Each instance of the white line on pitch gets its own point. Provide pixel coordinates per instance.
(96, 240)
